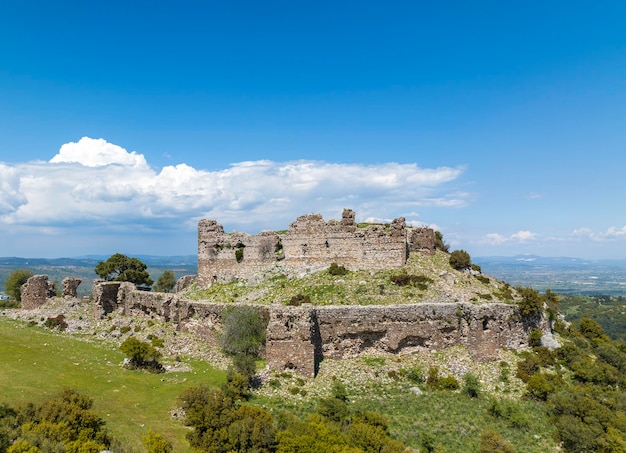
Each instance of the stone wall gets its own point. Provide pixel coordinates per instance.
(299, 338)
(35, 292)
(309, 244)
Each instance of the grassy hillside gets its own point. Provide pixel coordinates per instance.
(435, 281)
(37, 363)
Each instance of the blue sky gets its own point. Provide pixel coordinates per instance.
(503, 124)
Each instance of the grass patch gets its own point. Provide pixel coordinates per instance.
(36, 364)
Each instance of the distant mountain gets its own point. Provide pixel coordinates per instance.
(561, 274)
(83, 267)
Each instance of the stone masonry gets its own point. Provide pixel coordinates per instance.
(35, 292)
(299, 338)
(309, 244)
(70, 286)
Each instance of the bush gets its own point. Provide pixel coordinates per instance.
(460, 259)
(420, 281)
(243, 330)
(492, 442)
(531, 302)
(591, 330)
(299, 299)
(337, 270)
(471, 385)
(156, 443)
(439, 244)
(14, 282)
(142, 355)
(534, 339)
(57, 322)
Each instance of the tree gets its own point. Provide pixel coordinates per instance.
(121, 268)
(244, 331)
(460, 259)
(14, 282)
(531, 303)
(156, 443)
(142, 354)
(166, 282)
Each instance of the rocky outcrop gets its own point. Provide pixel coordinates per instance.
(184, 282)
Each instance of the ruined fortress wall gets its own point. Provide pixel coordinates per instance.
(310, 243)
(299, 338)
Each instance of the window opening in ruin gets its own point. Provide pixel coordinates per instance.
(485, 322)
(326, 243)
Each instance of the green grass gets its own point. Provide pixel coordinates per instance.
(36, 364)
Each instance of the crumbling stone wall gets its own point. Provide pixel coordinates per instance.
(422, 240)
(35, 292)
(70, 286)
(310, 243)
(299, 338)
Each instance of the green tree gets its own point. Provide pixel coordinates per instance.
(141, 354)
(531, 302)
(166, 282)
(14, 282)
(460, 259)
(243, 336)
(156, 443)
(121, 268)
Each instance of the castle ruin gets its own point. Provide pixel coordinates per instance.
(309, 244)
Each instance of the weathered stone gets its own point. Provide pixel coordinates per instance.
(70, 286)
(184, 282)
(299, 338)
(309, 244)
(422, 240)
(35, 292)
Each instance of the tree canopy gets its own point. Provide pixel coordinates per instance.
(121, 268)
(166, 282)
(14, 282)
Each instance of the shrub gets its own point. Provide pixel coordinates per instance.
(142, 355)
(239, 254)
(534, 339)
(439, 244)
(460, 259)
(471, 385)
(416, 375)
(156, 443)
(483, 279)
(336, 269)
(591, 329)
(243, 330)
(449, 383)
(492, 442)
(299, 299)
(531, 302)
(420, 281)
(57, 322)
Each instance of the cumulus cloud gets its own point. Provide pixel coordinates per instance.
(91, 152)
(610, 234)
(499, 239)
(99, 183)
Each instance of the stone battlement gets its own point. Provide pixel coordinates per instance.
(309, 244)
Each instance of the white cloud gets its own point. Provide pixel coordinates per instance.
(98, 183)
(611, 233)
(97, 153)
(497, 239)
